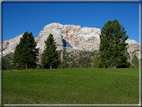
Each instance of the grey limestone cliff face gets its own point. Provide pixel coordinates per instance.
(72, 36)
(10, 45)
(133, 48)
(43, 35)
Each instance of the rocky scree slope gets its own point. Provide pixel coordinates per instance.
(71, 36)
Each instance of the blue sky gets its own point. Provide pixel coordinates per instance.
(32, 17)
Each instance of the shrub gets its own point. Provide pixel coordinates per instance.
(65, 64)
(100, 65)
(95, 62)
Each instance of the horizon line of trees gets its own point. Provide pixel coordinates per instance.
(7, 61)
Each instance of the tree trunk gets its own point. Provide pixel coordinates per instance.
(50, 66)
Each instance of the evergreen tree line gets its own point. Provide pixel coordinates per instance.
(71, 62)
(112, 52)
(26, 55)
(132, 63)
(76, 58)
(7, 62)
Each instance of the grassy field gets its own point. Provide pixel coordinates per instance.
(71, 86)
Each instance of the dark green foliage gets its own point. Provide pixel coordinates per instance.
(7, 62)
(141, 62)
(3, 67)
(79, 58)
(50, 57)
(76, 58)
(129, 62)
(95, 62)
(85, 58)
(65, 64)
(17, 58)
(77, 66)
(64, 58)
(25, 55)
(135, 61)
(113, 47)
(100, 65)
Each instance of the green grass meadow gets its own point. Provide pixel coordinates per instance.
(71, 86)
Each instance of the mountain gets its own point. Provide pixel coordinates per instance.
(71, 36)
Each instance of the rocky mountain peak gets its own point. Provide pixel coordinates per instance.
(72, 36)
(52, 26)
(131, 42)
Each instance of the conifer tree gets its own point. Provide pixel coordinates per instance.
(50, 57)
(17, 58)
(113, 47)
(25, 55)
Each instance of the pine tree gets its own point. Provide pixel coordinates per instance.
(25, 55)
(50, 57)
(113, 47)
(17, 58)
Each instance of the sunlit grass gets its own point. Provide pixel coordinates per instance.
(71, 86)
